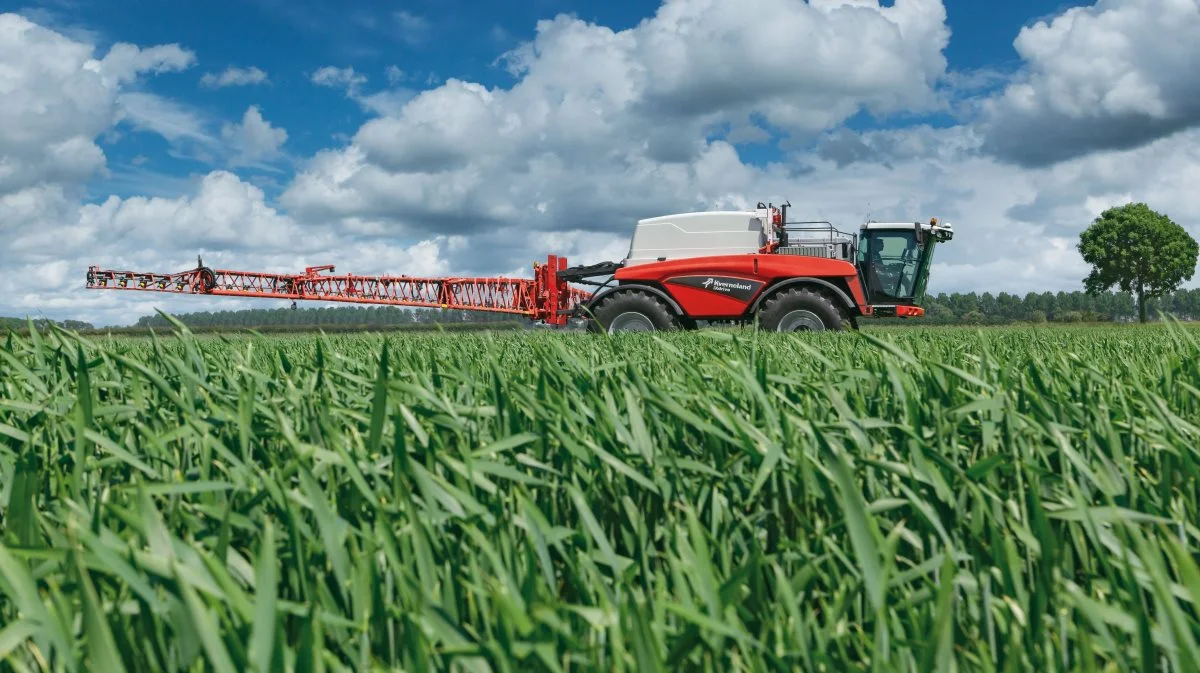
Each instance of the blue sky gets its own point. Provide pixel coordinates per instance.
(472, 137)
(429, 41)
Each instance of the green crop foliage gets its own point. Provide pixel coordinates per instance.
(891, 500)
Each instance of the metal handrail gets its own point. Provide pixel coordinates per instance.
(828, 226)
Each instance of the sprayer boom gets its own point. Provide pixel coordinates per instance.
(545, 297)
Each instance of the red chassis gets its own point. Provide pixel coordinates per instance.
(732, 286)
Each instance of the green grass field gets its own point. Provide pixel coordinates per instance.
(892, 500)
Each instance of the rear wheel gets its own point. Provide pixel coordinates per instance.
(802, 309)
(633, 311)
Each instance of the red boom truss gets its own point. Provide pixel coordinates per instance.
(544, 297)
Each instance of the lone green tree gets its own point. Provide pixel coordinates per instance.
(1141, 251)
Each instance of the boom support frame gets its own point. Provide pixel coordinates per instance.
(546, 297)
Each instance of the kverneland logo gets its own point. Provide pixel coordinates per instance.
(740, 289)
(714, 284)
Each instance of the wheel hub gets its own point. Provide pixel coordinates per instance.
(801, 320)
(630, 321)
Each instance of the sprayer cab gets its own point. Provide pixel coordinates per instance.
(894, 259)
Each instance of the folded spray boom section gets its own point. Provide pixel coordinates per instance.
(545, 297)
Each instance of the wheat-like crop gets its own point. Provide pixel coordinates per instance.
(895, 500)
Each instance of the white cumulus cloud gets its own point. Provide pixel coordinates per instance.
(58, 97)
(612, 123)
(234, 76)
(253, 140)
(338, 78)
(125, 62)
(1113, 75)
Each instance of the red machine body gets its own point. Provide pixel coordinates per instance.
(725, 287)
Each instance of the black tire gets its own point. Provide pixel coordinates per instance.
(208, 280)
(800, 309)
(632, 311)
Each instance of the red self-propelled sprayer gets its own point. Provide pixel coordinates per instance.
(738, 266)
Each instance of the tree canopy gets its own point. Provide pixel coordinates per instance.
(1139, 250)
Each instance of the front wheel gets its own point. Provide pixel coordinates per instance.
(802, 309)
(633, 311)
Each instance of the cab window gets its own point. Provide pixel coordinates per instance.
(890, 260)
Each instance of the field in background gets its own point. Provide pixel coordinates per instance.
(896, 499)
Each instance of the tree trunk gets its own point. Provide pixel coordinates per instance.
(1141, 303)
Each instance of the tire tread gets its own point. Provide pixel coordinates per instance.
(773, 309)
(636, 300)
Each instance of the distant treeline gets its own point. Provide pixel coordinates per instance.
(42, 323)
(988, 309)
